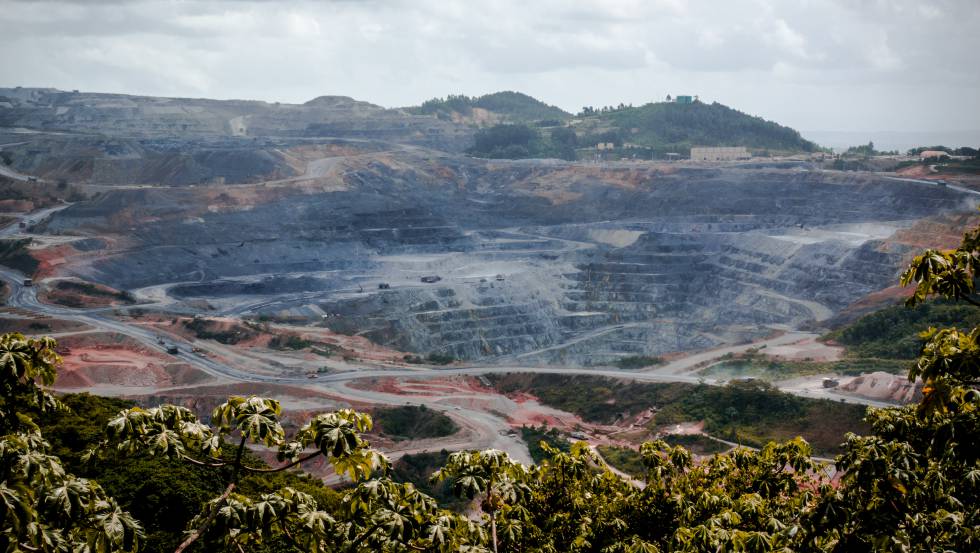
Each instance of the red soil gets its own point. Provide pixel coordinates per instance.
(107, 359)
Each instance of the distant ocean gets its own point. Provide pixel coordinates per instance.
(894, 140)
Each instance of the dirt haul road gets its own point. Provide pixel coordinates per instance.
(484, 429)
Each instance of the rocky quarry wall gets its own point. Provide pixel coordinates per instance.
(537, 262)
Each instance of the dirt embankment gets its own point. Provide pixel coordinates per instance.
(112, 362)
(884, 386)
(310, 342)
(938, 232)
(79, 294)
(519, 409)
(40, 326)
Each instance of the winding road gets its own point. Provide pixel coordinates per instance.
(485, 429)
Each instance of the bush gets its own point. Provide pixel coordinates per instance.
(638, 362)
(751, 412)
(289, 341)
(410, 422)
(533, 436)
(440, 358)
(212, 330)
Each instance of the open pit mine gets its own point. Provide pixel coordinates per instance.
(333, 252)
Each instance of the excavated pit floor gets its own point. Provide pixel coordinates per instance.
(686, 261)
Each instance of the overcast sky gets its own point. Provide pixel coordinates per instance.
(847, 65)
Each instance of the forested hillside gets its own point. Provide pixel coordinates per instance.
(894, 332)
(679, 126)
(506, 105)
(645, 132)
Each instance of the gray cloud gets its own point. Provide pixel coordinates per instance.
(832, 64)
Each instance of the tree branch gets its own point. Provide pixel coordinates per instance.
(204, 464)
(207, 521)
(284, 467)
(238, 459)
(364, 536)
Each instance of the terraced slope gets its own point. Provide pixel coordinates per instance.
(538, 262)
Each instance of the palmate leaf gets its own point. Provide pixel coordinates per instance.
(69, 501)
(117, 530)
(256, 418)
(28, 359)
(40, 469)
(334, 434)
(636, 545)
(16, 507)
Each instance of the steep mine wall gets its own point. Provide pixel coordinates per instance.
(545, 263)
(125, 116)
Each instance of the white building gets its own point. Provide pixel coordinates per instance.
(932, 154)
(719, 153)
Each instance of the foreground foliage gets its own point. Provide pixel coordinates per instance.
(43, 507)
(911, 484)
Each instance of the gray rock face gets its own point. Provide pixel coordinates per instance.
(152, 118)
(366, 220)
(538, 262)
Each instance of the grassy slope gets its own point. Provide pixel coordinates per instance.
(14, 254)
(680, 126)
(893, 332)
(512, 106)
(886, 340)
(413, 422)
(751, 413)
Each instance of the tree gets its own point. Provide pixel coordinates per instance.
(43, 508)
(490, 473)
(914, 483)
(380, 513)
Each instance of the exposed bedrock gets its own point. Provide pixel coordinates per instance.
(537, 263)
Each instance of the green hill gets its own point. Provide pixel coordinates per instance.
(505, 106)
(675, 127)
(644, 132)
(893, 332)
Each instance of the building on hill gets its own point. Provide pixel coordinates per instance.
(684, 100)
(719, 153)
(932, 154)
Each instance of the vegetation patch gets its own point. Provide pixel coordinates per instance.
(752, 364)
(290, 342)
(534, 435)
(223, 333)
(74, 293)
(164, 495)
(520, 141)
(14, 254)
(417, 469)
(638, 362)
(749, 412)
(413, 422)
(513, 106)
(624, 459)
(755, 365)
(893, 332)
(697, 443)
(433, 359)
